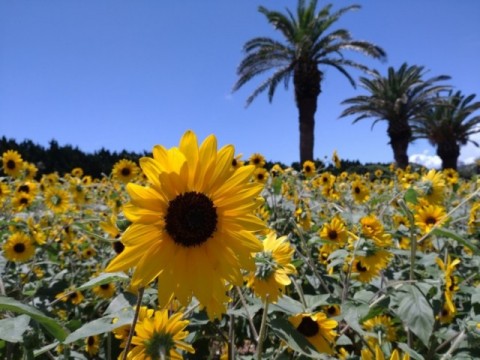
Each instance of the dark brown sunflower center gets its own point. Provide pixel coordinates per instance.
(24, 201)
(256, 161)
(73, 296)
(308, 327)
(430, 220)
(260, 176)
(332, 310)
(191, 219)
(11, 164)
(332, 235)
(308, 169)
(234, 162)
(105, 286)
(360, 267)
(126, 171)
(118, 246)
(24, 188)
(90, 341)
(357, 190)
(19, 248)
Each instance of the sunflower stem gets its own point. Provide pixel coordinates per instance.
(249, 317)
(134, 322)
(231, 338)
(263, 329)
(413, 240)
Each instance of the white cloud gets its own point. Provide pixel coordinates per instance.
(469, 153)
(429, 161)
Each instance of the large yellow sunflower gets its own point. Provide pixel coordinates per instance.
(19, 247)
(193, 227)
(12, 163)
(317, 328)
(273, 267)
(160, 334)
(335, 232)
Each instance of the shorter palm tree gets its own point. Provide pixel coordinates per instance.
(448, 125)
(399, 97)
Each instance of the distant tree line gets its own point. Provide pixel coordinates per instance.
(63, 158)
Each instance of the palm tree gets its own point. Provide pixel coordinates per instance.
(448, 125)
(306, 48)
(397, 98)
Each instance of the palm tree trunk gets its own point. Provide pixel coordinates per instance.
(400, 136)
(306, 80)
(449, 152)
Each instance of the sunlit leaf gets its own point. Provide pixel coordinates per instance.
(54, 328)
(12, 329)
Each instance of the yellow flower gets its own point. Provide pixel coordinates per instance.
(193, 227)
(260, 175)
(336, 160)
(12, 163)
(360, 191)
(237, 161)
(75, 297)
(428, 216)
(18, 247)
(77, 172)
(57, 200)
(273, 267)
(125, 170)
(309, 169)
(335, 232)
(105, 291)
(257, 159)
(317, 328)
(432, 187)
(160, 334)
(92, 345)
(383, 327)
(21, 201)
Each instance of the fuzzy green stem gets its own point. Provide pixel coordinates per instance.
(263, 329)
(134, 323)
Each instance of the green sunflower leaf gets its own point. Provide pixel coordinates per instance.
(415, 311)
(102, 325)
(451, 235)
(12, 329)
(411, 196)
(54, 328)
(413, 354)
(104, 278)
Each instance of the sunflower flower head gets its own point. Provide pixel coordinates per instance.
(12, 163)
(336, 160)
(309, 169)
(125, 170)
(432, 187)
(273, 267)
(160, 337)
(318, 329)
(193, 227)
(19, 247)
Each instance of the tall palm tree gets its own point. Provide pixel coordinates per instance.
(397, 98)
(306, 48)
(448, 125)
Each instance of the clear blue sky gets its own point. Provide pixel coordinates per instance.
(131, 74)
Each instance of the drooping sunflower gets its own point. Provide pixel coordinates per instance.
(257, 159)
(336, 160)
(309, 169)
(383, 327)
(57, 199)
(428, 216)
(92, 345)
(18, 247)
(432, 187)
(12, 163)
(317, 328)
(160, 334)
(125, 170)
(273, 267)
(193, 227)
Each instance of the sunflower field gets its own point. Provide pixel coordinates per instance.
(194, 253)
